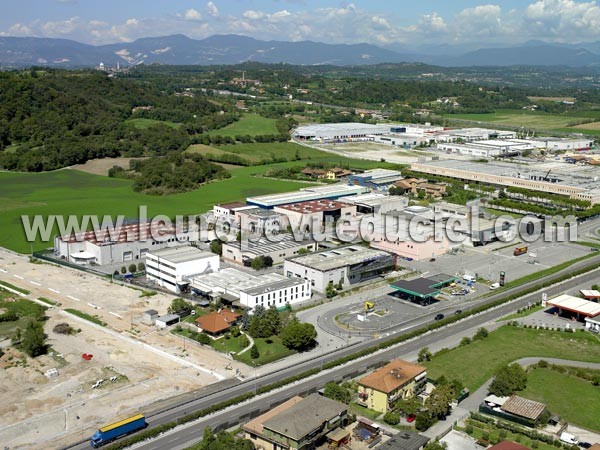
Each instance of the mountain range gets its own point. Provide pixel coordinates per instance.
(233, 49)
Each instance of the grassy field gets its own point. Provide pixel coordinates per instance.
(541, 386)
(25, 309)
(142, 124)
(268, 352)
(249, 124)
(70, 192)
(475, 363)
(86, 316)
(530, 119)
(255, 153)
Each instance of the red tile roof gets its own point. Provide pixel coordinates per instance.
(216, 322)
(392, 376)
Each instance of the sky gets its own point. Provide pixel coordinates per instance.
(397, 23)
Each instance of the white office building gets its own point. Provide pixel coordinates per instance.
(277, 292)
(171, 268)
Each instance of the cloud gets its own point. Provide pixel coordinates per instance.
(212, 9)
(253, 15)
(564, 19)
(192, 14)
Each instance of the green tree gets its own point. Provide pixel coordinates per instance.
(424, 355)
(508, 380)
(330, 291)
(438, 402)
(141, 267)
(179, 305)
(33, 341)
(436, 445)
(298, 336)
(254, 354)
(216, 247)
(408, 406)
(258, 263)
(482, 333)
(132, 268)
(273, 320)
(424, 420)
(123, 270)
(337, 392)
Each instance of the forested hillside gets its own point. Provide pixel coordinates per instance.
(53, 119)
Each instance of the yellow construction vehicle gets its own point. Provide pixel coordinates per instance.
(369, 306)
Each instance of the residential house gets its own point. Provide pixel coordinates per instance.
(217, 322)
(397, 380)
(336, 173)
(297, 424)
(314, 173)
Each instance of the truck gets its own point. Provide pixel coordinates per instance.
(520, 250)
(118, 429)
(569, 438)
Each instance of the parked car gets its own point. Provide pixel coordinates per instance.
(585, 444)
(469, 277)
(431, 259)
(411, 418)
(439, 316)
(458, 311)
(494, 286)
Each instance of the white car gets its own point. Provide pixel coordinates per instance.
(469, 277)
(494, 286)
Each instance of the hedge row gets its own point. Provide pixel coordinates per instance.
(365, 352)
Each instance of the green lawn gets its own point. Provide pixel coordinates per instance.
(25, 309)
(231, 345)
(528, 119)
(365, 412)
(577, 401)
(523, 313)
(142, 124)
(268, 352)
(249, 124)
(475, 363)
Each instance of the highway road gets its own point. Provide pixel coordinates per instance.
(185, 436)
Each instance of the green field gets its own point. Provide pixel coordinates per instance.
(67, 192)
(541, 386)
(25, 309)
(268, 352)
(530, 119)
(475, 363)
(256, 153)
(249, 124)
(142, 124)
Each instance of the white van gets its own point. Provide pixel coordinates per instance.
(469, 277)
(569, 438)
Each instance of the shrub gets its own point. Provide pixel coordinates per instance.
(465, 341)
(132, 268)
(254, 354)
(391, 418)
(63, 328)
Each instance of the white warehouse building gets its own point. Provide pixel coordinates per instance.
(487, 148)
(171, 268)
(351, 131)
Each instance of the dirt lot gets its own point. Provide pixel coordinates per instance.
(588, 126)
(102, 166)
(150, 364)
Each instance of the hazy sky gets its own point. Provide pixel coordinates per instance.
(374, 21)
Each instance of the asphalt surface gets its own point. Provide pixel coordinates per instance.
(190, 433)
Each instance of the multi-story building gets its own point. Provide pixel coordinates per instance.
(171, 267)
(397, 380)
(277, 248)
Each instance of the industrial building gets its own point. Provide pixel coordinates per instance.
(297, 424)
(315, 211)
(128, 243)
(402, 140)
(376, 202)
(260, 221)
(473, 134)
(577, 182)
(226, 212)
(332, 192)
(246, 290)
(376, 179)
(277, 247)
(171, 267)
(351, 131)
(345, 265)
(487, 148)
(554, 144)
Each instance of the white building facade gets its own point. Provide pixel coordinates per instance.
(276, 293)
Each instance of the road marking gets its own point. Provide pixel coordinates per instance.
(54, 290)
(34, 282)
(115, 314)
(19, 277)
(3, 270)
(73, 298)
(94, 306)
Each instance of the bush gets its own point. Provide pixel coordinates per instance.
(391, 418)
(8, 317)
(63, 328)
(132, 268)
(465, 341)
(423, 421)
(141, 267)
(482, 333)
(254, 354)
(123, 270)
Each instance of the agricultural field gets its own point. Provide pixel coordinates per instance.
(541, 386)
(71, 192)
(575, 122)
(249, 124)
(476, 362)
(142, 123)
(257, 153)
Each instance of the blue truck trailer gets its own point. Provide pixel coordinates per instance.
(115, 430)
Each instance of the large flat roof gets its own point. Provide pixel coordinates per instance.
(181, 254)
(423, 287)
(274, 285)
(305, 416)
(312, 206)
(233, 281)
(576, 305)
(263, 245)
(338, 257)
(305, 194)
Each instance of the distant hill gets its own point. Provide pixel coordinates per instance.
(233, 49)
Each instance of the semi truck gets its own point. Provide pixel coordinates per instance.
(118, 429)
